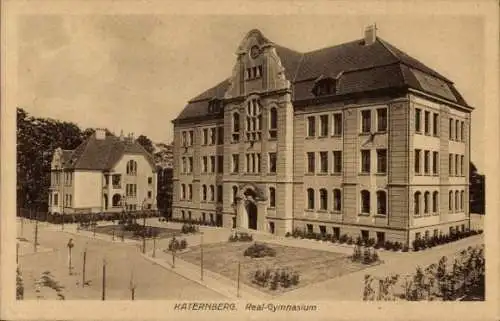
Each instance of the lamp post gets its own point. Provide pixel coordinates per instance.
(201, 249)
(143, 227)
(70, 246)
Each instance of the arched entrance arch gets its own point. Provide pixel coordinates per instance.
(250, 207)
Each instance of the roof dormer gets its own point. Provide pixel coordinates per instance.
(325, 86)
(215, 106)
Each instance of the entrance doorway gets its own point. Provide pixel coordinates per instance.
(252, 215)
(271, 227)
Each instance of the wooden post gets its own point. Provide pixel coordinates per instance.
(132, 286)
(201, 248)
(69, 263)
(83, 269)
(17, 253)
(104, 280)
(238, 284)
(22, 226)
(35, 244)
(154, 246)
(113, 234)
(173, 258)
(144, 233)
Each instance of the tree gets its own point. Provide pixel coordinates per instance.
(145, 142)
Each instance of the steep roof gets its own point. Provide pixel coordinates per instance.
(102, 154)
(359, 68)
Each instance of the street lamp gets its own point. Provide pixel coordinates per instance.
(70, 246)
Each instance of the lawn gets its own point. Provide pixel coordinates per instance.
(108, 229)
(313, 265)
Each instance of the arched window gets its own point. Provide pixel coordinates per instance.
(116, 200)
(235, 193)
(457, 201)
(416, 200)
(310, 198)
(212, 193)
(183, 215)
(183, 192)
(450, 201)
(323, 197)
(131, 167)
(204, 192)
(426, 202)
(365, 202)
(381, 202)
(272, 197)
(273, 122)
(435, 204)
(337, 200)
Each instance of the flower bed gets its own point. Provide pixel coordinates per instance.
(387, 245)
(365, 255)
(240, 237)
(275, 278)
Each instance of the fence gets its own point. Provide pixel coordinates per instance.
(83, 217)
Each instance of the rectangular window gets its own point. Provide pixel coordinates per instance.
(205, 164)
(382, 120)
(184, 139)
(150, 194)
(248, 162)
(323, 158)
(435, 124)
(457, 165)
(212, 164)
(418, 113)
(435, 162)
(213, 136)
(365, 161)
(323, 119)
(219, 193)
(190, 162)
(427, 119)
(220, 163)
(417, 161)
(310, 162)
(272, 162)
(191, 137)
(462, 134)
(366, 121)
(451, 129)
(337, 161)
(462, 172)
(220, 136)
(381, 160)
(258, 163)
(457, 129)
(253, 162)
(56, 199)
(450, 164)
(337, 124)
(117, 181)
(236, 163)
(427, 159)
(205, 136)
(311, 126)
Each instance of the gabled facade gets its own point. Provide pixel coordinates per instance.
(358, 139)
(104, 174)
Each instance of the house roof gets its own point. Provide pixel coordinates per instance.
(357, 67)
(102, 154)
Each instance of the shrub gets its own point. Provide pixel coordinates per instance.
(275, 278)
(188, 228)
(240, 237)
(343, 239)
(288, 234)
(349, 240)
(371, 242)
(257, 250)
(388, 245)
(405, 248)
(176, 245)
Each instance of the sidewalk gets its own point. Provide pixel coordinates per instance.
(211, 280)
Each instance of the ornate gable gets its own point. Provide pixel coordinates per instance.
(258, 67)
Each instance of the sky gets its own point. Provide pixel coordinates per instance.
(136, 72)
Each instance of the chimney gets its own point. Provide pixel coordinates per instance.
(100, 134)
(370, 34)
